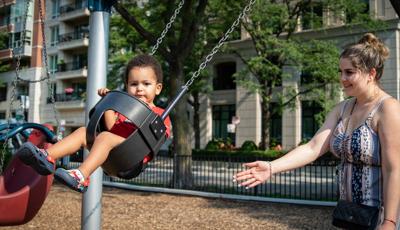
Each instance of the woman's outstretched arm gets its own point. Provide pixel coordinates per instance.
(260, 171)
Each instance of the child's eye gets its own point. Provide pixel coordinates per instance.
(133, 84)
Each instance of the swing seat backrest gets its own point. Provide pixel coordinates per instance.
(125, 160)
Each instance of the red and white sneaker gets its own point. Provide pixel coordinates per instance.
(73, 179)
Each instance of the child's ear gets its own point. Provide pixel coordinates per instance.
(158, 88)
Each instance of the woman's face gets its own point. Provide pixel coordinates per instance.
(353, 80)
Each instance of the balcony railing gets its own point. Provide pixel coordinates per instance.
(72, 7)
(70, 66)
(5, 21)
(62, 97)
(73, 36)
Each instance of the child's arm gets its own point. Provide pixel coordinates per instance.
(110, 115)
(109, 119)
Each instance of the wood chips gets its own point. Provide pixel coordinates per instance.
(123, 209)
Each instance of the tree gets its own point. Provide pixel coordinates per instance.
(180, 48)
(271, 27)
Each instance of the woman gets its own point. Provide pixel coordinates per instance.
(364, 131)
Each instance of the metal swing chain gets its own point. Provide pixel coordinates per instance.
(216, 48)
(14, 85)
(167, 27)
(46, 67)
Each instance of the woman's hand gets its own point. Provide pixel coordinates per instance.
(102, 92)
(259, 172)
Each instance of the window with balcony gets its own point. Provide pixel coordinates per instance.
(311, 17)
(224, 76)
(221, 117)
(3, 93)
(54, 33)
(53, 63)
(55, 9)
(79, 61)
(309, 124)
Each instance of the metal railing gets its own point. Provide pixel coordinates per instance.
(66, 97)
(316, 182)
(70, 66)
(73, 36)
(72, 7)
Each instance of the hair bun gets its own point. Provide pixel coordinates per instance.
(371, 40)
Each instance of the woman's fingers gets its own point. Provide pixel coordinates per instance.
(242, 177)
(251, 164)
(243, 173)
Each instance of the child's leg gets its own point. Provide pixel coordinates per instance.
(102, 146)
(69, 145)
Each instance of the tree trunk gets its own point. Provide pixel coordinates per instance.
(182, 177)
(265, 115)
(196, 120)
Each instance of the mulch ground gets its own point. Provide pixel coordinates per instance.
(123, 209)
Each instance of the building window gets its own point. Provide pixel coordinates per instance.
(53, 63)
(54, 35)
(275, 126)
(353, 13)
(3, 93)
(55, 10)
(224, 76)
(2, 115)
(221, 117)
(311, 17)
(309, 125)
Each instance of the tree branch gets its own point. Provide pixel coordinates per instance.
(246, 63)
(187, 37)
(303, 92)
(140, 29)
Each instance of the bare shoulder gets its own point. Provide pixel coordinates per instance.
(389, 111)
(390, 106)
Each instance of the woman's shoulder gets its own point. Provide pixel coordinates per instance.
(390, 105)
(340, 107)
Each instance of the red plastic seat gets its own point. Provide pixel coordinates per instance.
(22, 190)
(22, 193)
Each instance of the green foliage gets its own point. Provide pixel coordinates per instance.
(220, 144)
(248, 146)
(238, 154)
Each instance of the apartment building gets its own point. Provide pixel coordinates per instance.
(230, 103)
(67, 39)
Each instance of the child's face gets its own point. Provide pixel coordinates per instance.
(142, 83)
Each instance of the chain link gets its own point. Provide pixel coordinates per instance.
(46, 68)
(216, 48)
(167, 27)
(14, 84)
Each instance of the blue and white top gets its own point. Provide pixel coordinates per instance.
(360, 177)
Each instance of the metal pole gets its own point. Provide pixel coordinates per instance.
(97, 78)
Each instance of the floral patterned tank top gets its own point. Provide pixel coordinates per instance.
(360, 175)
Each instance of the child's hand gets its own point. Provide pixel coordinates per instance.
(102, 92)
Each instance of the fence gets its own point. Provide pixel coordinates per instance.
(316, 182)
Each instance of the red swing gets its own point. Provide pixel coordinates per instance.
(22, 189)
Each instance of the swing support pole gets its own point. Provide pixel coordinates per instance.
(99, 24)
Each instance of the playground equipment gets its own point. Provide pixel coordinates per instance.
(22, 190)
